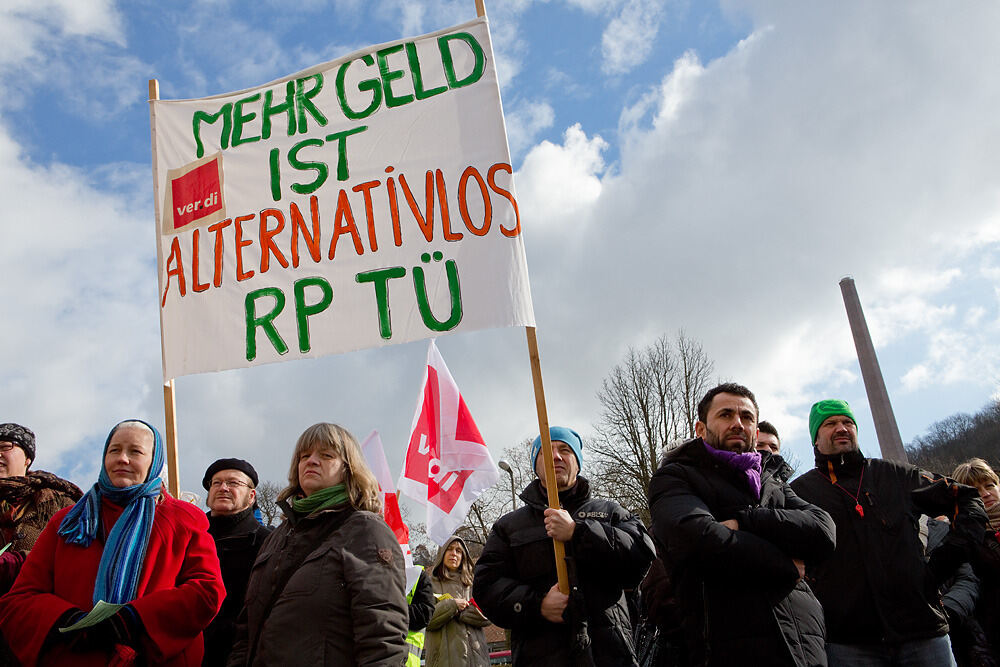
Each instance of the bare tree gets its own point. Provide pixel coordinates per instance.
(649, 401)
(267, 500)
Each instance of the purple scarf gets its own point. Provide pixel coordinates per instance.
(747, 463)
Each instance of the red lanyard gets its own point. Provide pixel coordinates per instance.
(856, 497)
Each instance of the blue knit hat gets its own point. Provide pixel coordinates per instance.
(562, 434)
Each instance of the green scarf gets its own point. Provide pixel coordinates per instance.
(323, 499)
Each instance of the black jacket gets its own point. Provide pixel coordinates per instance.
(777, 466)
(610, 551)
(877, 586)
(237, 540)
(421, 604)
(742, 597)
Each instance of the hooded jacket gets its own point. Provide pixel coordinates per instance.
(609, 552)
(742, 599)
(877, 586)
(326, 589)
(455, 637)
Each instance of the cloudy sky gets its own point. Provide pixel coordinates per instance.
(711, 167)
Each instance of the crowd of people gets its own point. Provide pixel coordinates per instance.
(858, 561)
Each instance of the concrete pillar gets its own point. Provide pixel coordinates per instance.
(886, 429)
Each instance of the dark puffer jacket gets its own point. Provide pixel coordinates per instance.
(343, 603)
(238, 539)
(877, 586)
(610, 551)
(743, 600)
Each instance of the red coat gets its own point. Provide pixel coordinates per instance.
(179, 592)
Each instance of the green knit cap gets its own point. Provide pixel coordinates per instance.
(827, 408)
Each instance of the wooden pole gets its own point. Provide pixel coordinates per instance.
(169, 405)
(551, 486)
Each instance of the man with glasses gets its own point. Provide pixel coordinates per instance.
(231, 486)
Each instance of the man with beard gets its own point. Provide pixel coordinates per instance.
(734, 543)
(231, 486)
(607, 552)
(879, 593)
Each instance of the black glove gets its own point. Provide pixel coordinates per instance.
(122, 628)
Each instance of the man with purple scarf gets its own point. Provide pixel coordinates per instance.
(734, 540)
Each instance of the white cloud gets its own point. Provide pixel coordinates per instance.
(628, 39)
(524, 122)
(558, 182)
(79, 297)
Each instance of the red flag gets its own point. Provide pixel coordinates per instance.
(447, 463)
(375, 457)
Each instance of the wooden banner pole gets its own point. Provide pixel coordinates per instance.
(169, 405)
(170, 414)
(551, 486)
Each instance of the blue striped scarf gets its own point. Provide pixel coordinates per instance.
(125, 549)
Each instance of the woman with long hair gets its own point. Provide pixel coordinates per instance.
(127, 544)
(327, 586)
(455, 636)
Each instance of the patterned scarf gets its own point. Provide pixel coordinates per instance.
(125, 549)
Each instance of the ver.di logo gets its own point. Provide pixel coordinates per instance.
(194, 195)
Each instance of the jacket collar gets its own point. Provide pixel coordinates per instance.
(848, 462)
(229, 524)
(536, 496)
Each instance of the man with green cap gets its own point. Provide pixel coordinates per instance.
(878, 591)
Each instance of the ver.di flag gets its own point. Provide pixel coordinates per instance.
(374, 455)
(447, 463)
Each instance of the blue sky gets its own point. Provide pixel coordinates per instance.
(711, 167)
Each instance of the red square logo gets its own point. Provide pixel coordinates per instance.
(197, 194)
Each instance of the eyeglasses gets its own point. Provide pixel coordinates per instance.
(231, 483)
(7, 446)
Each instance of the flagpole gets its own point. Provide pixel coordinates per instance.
(169, 404)
(551, 486)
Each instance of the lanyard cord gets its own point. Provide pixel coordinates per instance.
(855, 497)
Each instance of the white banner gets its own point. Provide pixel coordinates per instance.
(363, 202)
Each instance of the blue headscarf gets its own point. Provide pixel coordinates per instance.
(125, 548)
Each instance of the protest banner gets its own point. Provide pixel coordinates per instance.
(359, 203)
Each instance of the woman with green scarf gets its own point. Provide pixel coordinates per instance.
(327, 586)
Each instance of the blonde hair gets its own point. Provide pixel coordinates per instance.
(975, 472)
(362, 487)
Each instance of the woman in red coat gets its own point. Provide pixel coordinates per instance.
(127, 543)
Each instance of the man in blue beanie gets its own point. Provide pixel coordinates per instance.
(879, 591)
(607, 551)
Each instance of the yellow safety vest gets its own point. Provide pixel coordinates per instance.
(414, 639)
